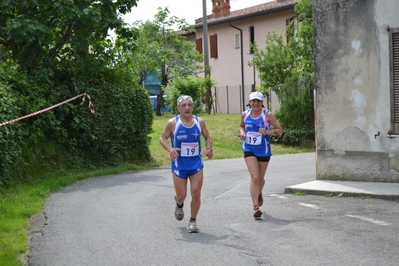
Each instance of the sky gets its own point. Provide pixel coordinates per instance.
(146, 9)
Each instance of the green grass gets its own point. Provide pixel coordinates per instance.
(20, 203)
(365, 197)
(224, 131)
(300, 193)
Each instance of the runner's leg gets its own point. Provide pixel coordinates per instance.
(255, 186)
(262, 171)
(180, 185)
(195, 188)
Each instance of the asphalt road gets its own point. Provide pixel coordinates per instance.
(128, 219)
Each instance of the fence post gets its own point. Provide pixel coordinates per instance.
(216, 101)
(228, 102)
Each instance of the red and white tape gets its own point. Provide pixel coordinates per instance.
(54, 106)
(91, 106)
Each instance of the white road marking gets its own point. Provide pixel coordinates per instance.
(310, 206)
(368, 219)
(278, 196)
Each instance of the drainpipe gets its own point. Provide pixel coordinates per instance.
(242, 66)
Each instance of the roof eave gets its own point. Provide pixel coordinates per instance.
(255, 14)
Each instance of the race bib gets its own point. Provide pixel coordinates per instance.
(189, 149)
(253, 138)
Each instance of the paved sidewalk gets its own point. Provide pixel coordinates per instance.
(348, 188)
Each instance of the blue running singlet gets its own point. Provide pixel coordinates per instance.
(254, 141)
(188, 140)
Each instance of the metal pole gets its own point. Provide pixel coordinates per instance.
(254, 88)
(228, 102)
(206, 54)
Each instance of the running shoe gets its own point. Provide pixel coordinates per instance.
(192, 227)
(260, 200)
(179, 213)
(257, 212)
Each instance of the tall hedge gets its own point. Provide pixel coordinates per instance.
(10, 142)
(70, 136)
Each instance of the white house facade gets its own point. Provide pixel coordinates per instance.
(230, 35)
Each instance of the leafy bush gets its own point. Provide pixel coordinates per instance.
(10, 144)
(297, 105)
(19, 137)
(118, 131)
(69, 136)
(299, 137)
(288, 70)
(191, 86)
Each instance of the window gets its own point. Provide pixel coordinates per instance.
(214, 46)
(238, 41)
(198, 45)
(293, 30)
(251, 39)
(394, 78)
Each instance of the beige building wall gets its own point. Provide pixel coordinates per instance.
(226, 69)
(353, 97)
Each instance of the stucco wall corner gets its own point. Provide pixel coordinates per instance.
(355, 166)
(394, 163)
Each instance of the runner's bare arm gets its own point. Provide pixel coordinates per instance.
(208, 139)
(242, 127)
(163, 140)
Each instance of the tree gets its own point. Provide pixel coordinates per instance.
(162, 50)
(40, 34)
(195, 87)
(288, 70)
(51, 51)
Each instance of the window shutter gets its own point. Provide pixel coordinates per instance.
(214, 46)
(287, 23)
(198, 44)
(394, 67)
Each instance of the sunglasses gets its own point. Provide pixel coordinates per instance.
(184, 97)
